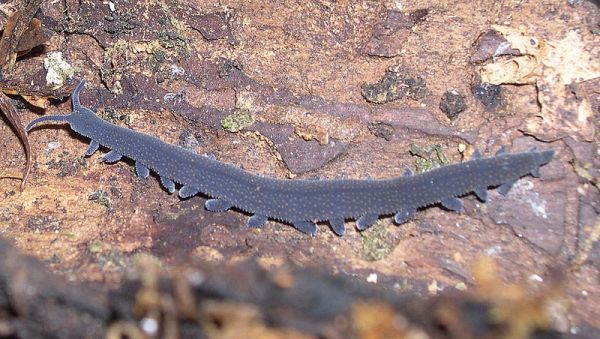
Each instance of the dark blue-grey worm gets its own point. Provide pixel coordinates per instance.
(299, 202)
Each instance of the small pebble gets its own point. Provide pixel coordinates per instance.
(452, 104)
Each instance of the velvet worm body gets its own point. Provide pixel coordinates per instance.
(298, 202)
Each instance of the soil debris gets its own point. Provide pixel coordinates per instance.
(397, 82)
(452, 104)
(488, 94)
(381, 129)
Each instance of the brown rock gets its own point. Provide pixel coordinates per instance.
(533, 214)
(491, 44)
(388, 37)
(587, 219)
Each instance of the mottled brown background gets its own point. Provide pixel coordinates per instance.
(174, 69)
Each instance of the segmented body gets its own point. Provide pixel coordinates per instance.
(298, 202)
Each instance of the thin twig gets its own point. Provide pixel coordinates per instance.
(10, 111)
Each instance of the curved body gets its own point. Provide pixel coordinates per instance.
(299, 202)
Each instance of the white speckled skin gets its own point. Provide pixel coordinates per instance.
(300, 202)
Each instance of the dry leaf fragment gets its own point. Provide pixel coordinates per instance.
(14, 28)
(520, 70)
(35, 36)
(37, 101)
(553, 66)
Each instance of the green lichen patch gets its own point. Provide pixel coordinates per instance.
(108, 258)
(397, 82)
(58, 70)
(157, 56)
(111, 115)
(113, 261)
(100, 197)
(377, 242)
(237, 121)
(119, 22)
(171, 39)
(65, 165)
(95, 246)
(428, 157)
